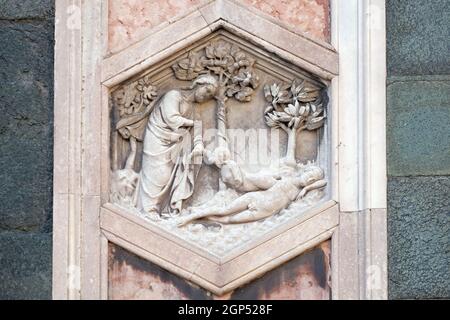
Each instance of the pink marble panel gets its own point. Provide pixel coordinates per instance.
(131, 20)
(311, 17)
(306, 277)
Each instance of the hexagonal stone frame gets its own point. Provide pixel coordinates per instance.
(354, 219)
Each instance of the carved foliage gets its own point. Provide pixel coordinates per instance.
(134, 100)
(296, 106)
(233, 67)
(134, 104)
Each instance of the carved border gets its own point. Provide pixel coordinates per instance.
(84, 74)
(78, 124)
(359, 245)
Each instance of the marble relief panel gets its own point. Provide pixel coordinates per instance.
(220, 144)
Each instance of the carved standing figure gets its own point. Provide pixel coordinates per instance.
(167, 174)
(134, 105)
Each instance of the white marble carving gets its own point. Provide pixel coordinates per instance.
(293, 108)
(277, 193)
(172, 152)
(134, 105)
(168, 164)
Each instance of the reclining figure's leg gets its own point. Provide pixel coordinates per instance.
(236, 206)
(242, 217)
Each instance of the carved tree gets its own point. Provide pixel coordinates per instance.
(135, 103)
(293, 108)
(235, 74)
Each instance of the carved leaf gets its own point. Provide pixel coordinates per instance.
(302, 111)
(209, 51)
(244, 94)
(284, 97)
(273, 116)
(254, 80)
(268, 109)
(188, 68)
(285, 87)
(303, 91)
(274, 89)
(183, 74)
(297, 86)
(291, 110)
(267, 93)
(232, 90)
(270, 122)
(283, 116)
(238, 55)
(315, 123)
(233, 67)
(184, 64)
(307, 110)
(296, 104)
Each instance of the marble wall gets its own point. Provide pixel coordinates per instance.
(131, 20)
(306, 277)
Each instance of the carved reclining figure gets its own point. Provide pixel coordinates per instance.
(237, 178)
(254, 206)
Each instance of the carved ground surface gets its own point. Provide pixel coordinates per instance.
(221, 240)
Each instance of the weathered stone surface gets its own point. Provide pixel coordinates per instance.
(26, 134)
(417, 37)
(419, 237)
(25, 260)
(26, 9)
(418, 121)
(305, 277)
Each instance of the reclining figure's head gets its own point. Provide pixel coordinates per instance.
(310, 174)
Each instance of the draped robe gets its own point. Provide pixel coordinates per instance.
(167, 176)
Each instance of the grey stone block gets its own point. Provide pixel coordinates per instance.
(418, 122)
(418, 34)
(25, 265)
(26, 124)
(26, 9)
(419, 237)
